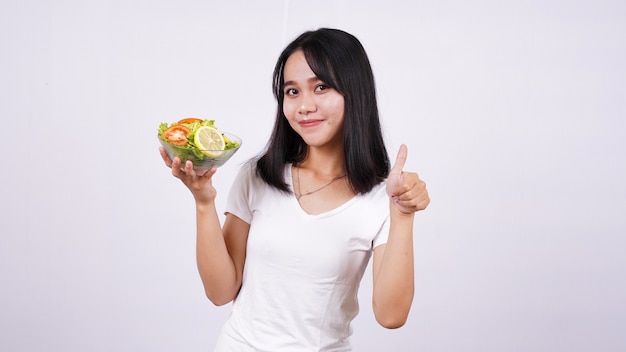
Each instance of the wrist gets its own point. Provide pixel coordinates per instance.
(203, 206)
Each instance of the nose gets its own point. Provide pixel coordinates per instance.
(307, 104)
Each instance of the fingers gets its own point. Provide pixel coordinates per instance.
(395, 179)
(407, 188)
(400, 159)
(198, 181)
(188, 168)
(207, 173)
(412, 206)
(414, 199)
(187, 173)
(415, 196)
(176, 166)
(181, 170)
(165, 157)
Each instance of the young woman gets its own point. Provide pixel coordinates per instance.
(303, 219)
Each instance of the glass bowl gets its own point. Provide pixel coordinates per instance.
(201, 161)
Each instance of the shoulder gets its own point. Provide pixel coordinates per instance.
(246, 176)
(374, 202)
(250, 182)
(378, 192)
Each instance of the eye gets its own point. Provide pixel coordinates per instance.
(291, 91)
(321, 87)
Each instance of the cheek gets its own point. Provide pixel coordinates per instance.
(337, 106)
(289, 109)
(290, 114)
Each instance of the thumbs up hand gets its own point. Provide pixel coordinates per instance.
(405, 188)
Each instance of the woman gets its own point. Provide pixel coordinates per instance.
(303, 219)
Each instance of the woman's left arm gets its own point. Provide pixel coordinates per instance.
(393, 268)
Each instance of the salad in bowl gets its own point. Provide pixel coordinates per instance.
(198, 140)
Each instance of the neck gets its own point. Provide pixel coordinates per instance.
(324, 162)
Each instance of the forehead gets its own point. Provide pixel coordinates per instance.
(297, 68)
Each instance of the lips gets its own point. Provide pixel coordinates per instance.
(309, 123)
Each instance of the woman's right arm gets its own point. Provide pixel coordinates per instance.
(220, 251)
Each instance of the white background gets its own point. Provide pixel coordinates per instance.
(513, 112)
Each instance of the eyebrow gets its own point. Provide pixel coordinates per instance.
(310, 80)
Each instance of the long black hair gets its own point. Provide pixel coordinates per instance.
(338, 59)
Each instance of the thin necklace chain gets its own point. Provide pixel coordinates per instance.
(300, 194)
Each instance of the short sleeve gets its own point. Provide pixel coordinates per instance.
(238, 201)
(382, 235)
(380, 198)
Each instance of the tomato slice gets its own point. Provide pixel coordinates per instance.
(176, 134)
(189, 120)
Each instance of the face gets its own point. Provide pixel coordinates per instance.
(314, 110)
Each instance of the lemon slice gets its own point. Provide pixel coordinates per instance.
(210, 141)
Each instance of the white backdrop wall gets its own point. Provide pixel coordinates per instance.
(513, 112)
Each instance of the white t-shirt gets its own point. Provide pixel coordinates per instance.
(302, 272)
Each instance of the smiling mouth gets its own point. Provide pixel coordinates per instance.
(309, 123)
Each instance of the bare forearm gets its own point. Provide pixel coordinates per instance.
(394, 280)
(215, 265)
